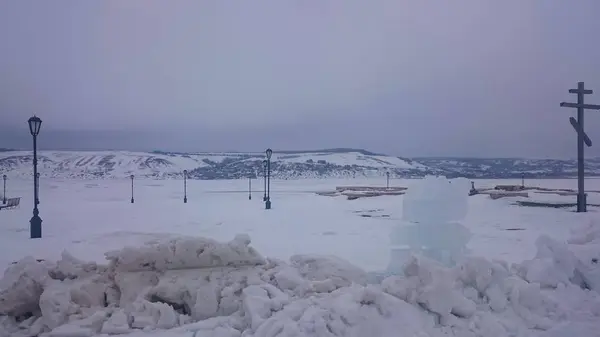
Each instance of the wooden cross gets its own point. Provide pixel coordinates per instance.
(582, 138)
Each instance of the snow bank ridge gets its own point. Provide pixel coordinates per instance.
(200, 287)
(186, 253)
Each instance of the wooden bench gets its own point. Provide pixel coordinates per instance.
(11, 203)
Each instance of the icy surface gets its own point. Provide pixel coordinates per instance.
(200, 287)
(436, 200)
(431, 209)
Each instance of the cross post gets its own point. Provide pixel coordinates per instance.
(582, 138)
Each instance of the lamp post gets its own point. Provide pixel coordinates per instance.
(37, 187)
(249, 188)
(131, 176)
(4, 193)
(265, 179)
(269, 152)
(185, 186)
(35, 228)
(387, 183)
(523, 180)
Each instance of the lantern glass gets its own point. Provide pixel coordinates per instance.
(35, 123)
(269, 152)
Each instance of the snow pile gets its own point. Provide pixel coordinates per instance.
(199, 287)
(186, 253)
(431, 209)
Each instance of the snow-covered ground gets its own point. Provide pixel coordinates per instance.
(283, 285)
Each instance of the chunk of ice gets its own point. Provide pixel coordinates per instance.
(436, 200)
(432, 208)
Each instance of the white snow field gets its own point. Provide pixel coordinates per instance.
(223, 266)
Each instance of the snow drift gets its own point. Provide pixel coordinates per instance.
(200, 287)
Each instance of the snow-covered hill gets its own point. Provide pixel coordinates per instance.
(285, 165)
(120, 164)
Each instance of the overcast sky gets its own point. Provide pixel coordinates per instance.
(409, 78)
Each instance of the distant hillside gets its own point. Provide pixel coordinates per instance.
(159, 164)
(328, 163)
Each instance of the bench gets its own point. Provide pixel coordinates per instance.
(11, 203)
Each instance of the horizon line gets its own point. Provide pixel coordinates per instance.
(325, 150)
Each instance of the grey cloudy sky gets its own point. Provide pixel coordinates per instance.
(411, 78)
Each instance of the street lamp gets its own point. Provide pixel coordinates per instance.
(4, 193)
(265, 179)
(249, 188)
(269, 152)
(387, 184)
(35, 228)
(185, 186)
(131, 176)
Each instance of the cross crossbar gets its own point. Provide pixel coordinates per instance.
(583, 91)
(584, 106)
(578, 129)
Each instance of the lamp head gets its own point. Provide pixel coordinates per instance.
(35, 124)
